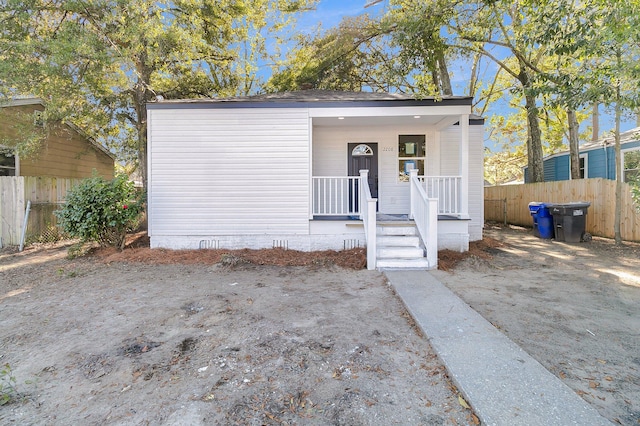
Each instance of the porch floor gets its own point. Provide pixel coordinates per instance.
(383, 217)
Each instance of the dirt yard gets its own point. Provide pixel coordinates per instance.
(98, 340)
(159, 337)
(573, 307)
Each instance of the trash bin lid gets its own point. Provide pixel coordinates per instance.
(534, 206)
(570, 209)
(571, 205)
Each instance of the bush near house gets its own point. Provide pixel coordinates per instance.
(102, 211)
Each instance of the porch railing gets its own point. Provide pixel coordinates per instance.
(335, 195)
(424, 212)
(448, 191)
(338, 195)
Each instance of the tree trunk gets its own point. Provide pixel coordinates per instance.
(534, 145)
(473, 80)
(619, 171)
(595, 122)
(142, 95)
(574, 144)
(141, 128)
(443, 72)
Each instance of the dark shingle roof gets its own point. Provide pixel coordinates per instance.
(327, 97)
(316, 95)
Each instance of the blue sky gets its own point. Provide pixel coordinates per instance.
(328, 13)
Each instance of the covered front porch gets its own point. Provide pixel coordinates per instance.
(412, 163)
(392, 240)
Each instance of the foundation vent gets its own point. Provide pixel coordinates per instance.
(283, 244)
(209, 244)
(351, 244)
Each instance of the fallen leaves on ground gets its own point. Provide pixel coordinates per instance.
(448, 259)
(137, 250)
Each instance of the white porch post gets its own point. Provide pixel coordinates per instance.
(412, 193)
(464, 166)
(364, 177)
(368, 216)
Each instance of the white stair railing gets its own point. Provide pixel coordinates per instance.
(424, 212)
(368, 216)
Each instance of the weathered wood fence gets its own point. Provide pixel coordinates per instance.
(15, 191)
(599, 192)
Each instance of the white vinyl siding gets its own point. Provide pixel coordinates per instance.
(450, 166)
(476, 182)
(228, 171)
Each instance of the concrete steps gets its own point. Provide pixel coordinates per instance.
(398, 247)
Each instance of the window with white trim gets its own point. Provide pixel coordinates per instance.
(583, 166)
(631, 165)
(411, 155)
(7, 163)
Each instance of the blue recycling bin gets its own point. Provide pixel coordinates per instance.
(542, 220)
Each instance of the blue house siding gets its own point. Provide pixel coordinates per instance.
(562, 168)
(601, 162)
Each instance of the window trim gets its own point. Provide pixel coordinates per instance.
(416, 159)
(16, 163)
(623, 152)
(585, 168)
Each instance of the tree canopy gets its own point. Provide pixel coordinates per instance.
(97, 63)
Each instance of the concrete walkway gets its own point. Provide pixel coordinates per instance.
(502, 383)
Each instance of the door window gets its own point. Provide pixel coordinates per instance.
(361, 150)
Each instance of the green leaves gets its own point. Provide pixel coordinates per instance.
(101, 211)
(8, 381)
(97, 63)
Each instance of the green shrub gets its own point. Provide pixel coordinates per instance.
(101, 210)
(7, 385)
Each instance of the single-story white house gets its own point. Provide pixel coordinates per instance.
(316, 170)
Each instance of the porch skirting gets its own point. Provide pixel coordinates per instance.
(323, 235)
(453, 235)
(235, 242)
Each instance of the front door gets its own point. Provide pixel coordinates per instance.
(364, 156)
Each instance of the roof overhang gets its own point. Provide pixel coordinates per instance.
(314, 99)
(14, 102)
(343, 109)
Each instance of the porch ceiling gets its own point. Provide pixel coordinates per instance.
(427, 120)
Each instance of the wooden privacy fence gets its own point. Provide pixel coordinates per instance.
(601, 193)
(44, 193)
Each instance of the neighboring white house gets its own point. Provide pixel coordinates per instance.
(284, 170)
